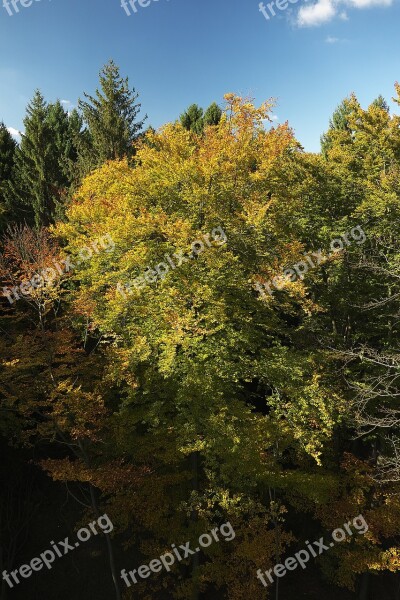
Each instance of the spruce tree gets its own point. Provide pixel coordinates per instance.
(66, 135)
(192, 119)
(111, 118)
(43, 171)
(7, 154)
(195, 119)
(338, 122)
(213, 114)
(380, 102)
(31, 185)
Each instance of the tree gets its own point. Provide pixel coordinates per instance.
(168, 389)
(31, 185)
(7, 156)
(213, 114)
(188, 349)
(65, 406)
(111, 118)
(66, 128)
(43, 172)
(194, 118)
(380, 102)
(338, 122)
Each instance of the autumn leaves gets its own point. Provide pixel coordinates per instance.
(161, 269)
(46, 277)
(311, 259)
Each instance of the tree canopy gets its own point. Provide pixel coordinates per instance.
(153, 373)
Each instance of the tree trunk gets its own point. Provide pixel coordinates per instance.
(109, 547)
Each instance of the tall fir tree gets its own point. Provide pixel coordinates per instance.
(111, 118)
(7, 154)
(31, 184)
(43, 172)
(66, 135)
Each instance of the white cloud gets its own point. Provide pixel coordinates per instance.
(68, 106)
(316, 14)
(15, 133)
(332, 40)
(368, 3)
(325, 10)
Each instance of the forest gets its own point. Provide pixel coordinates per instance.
(199, 341)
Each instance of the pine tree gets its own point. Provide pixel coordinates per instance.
(111, 118)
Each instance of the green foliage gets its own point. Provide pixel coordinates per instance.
(43, 173)
(380, 102)
(194, 119)
(193, 399)
(111, 119)
(340, 122)
(7, 155)
(213, 114)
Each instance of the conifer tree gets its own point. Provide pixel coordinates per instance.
(66, 139)
(213, 114)
(33, 163)
(195, 119)
(111, 118)
(338, 122)
(380, 102)
(192, 119)
(43, 163)
(7, 154)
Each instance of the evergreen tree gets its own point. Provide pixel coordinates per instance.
(111, 118)
(192, 119)
(195, 119)
(338, 122)
(66, 139)
(43, 164)
(7, 154)
(31, 185)
(213, 114)
(380, 102)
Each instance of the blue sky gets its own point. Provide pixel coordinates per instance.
(308, 56)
